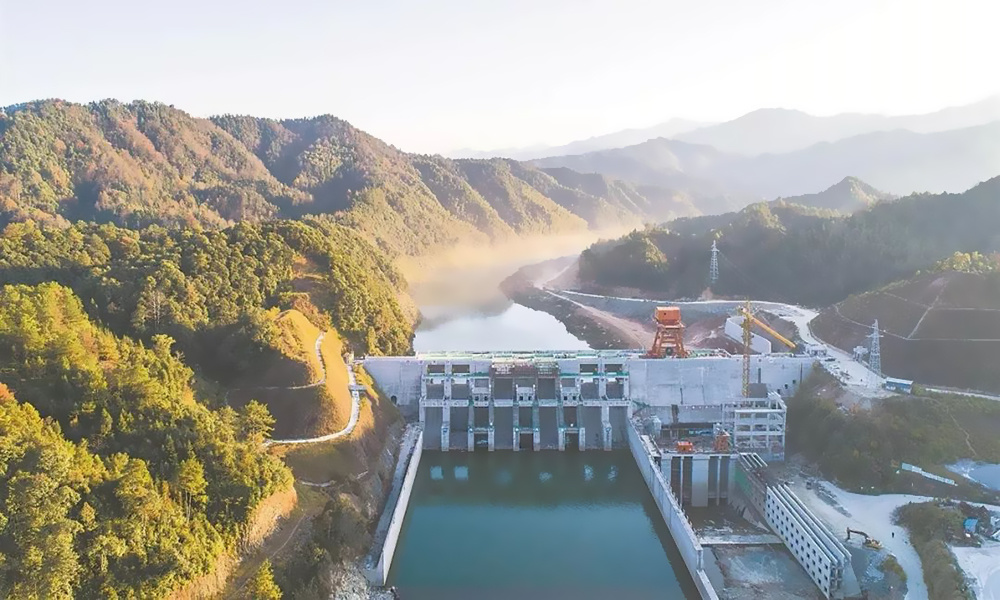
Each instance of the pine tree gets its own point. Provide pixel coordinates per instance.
(262, 585)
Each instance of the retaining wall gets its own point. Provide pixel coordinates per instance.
(680, 529)
(378, 561)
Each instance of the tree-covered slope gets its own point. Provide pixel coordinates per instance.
(205, 287)
(785, 252)
(135, 164)
(143, 163)
(125, 473)
(115, 481)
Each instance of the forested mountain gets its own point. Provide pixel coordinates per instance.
(617, 139)
(790, 253)
(900, 162)
(847, 196)
(776, 130)
(124, 473)
(115, 482)
(142, 163)
(201, 286)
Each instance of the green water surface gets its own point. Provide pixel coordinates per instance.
(532, 525)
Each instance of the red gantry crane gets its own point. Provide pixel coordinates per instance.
(669, 340)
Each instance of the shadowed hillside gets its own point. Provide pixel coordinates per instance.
(789, 253)
(940, 328)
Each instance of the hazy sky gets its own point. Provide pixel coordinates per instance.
(437, 75)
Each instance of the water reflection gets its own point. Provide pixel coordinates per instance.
(516, 327)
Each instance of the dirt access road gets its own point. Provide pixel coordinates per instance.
(635, 333)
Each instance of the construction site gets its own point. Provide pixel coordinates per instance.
(701, 425)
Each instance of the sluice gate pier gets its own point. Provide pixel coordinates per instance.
(584, 400)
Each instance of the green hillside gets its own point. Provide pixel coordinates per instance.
(148, 163)
(796, 254)
(115, 480)
(208, 289)
(131, 461)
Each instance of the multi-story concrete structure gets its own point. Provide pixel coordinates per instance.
(552, 400)
(811, 542)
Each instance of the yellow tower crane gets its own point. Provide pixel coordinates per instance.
(749, 320)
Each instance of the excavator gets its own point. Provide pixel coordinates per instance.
(870, 542)
(749, 320)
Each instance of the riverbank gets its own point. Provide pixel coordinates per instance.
(599, 331)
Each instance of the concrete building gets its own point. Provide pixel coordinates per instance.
(811, 542)
(555, 400)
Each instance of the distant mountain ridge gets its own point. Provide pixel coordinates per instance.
(143, 162)
(762, 131)
(778, 130)
(617, 139)
(899, 162)
(847, 196)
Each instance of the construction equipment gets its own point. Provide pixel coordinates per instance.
(749, 320)
(685, 447)
(669, 340)
(722, 442)
(870, 542)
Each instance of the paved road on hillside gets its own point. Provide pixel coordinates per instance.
(355, 403)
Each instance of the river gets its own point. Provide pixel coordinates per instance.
(514, 327)
(985, 474)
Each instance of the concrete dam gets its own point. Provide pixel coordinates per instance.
(697, 439)
(585, 399)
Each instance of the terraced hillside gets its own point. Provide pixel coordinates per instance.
(937, 328)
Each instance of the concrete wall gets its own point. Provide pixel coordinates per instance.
(680, 529)
(814, 546)
(397, 376)
(734, 329)
(710, 380)
(656, 382)
(379, 560)
(809, 541)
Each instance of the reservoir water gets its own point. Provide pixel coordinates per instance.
(514, 327)
(530, 525)
(986, 474)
